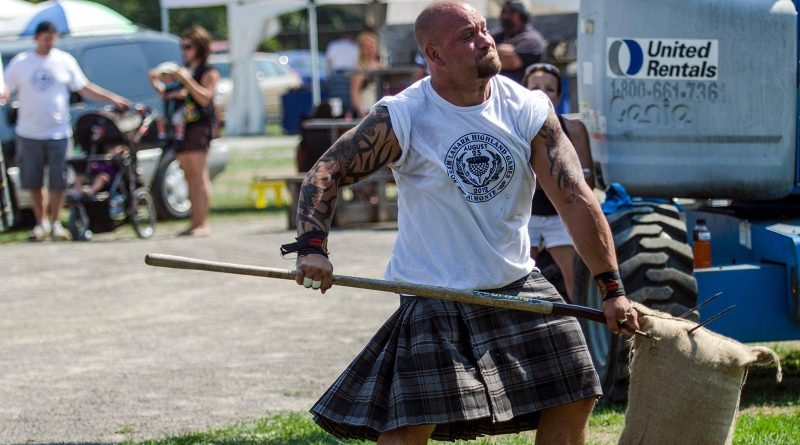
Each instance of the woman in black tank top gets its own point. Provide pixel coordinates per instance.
(545, 227)
(200, 80)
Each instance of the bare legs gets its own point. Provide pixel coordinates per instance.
(55, 200)
(559, 425)
(193, 164)
(564, 256)
(565, 424)
(407, 435)
(37, 202)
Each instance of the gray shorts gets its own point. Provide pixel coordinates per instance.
(33, 155)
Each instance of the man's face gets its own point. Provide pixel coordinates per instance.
(467, 46)
(45, 41)
(509, 19)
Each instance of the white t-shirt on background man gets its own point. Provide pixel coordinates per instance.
(342, 54)
(465, 185)
(43, 85)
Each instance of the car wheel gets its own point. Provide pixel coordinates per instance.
(170, 189)
(143, 213)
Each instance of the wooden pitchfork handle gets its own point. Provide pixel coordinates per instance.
(441, 293)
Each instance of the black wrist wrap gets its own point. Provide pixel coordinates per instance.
(314, 242)
(610, 285)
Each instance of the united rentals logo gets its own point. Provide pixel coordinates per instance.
(674, 59)
(634, 59)
(480, 165)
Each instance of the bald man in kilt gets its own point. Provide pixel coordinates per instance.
(466, 148)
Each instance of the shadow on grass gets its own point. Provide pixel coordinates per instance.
(761, 388)
(247, 211)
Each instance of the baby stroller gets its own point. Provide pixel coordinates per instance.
(109, 139)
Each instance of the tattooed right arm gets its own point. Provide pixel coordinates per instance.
(357, 154)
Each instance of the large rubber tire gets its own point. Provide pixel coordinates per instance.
(656, 265)
(170, 189)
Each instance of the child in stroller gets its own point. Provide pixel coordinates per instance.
(100, 174)
(107, 191)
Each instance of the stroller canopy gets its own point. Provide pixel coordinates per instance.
(106, 127)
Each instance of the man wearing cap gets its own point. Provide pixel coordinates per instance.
(43, 79)
(466, 148)
(518, 43)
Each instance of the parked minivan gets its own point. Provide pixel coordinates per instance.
(120, 64)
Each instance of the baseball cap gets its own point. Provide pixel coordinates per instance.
(517, 6)
(166, 68)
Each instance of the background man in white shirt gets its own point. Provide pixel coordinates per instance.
(43, 79)
(342, 54)
(341, 58)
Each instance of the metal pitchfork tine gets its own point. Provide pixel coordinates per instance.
(708, 300)
(719, 314)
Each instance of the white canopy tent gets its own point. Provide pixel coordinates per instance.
(250, 21)
(11, 9)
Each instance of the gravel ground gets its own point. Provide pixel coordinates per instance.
(95, 346)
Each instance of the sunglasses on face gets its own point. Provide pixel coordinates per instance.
(546, 67)
(187, 46)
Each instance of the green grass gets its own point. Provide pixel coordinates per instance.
(231, 189)
(769, 415)
(605, 427)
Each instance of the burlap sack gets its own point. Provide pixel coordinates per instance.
(685, 388)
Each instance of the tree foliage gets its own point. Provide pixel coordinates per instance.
(147, 13)
(331, 21)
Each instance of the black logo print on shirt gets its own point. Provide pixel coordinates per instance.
(480, 165)
(42, 79)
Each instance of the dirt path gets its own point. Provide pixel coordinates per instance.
(97, 347)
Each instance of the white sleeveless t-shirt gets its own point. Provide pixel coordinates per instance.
(465, 185)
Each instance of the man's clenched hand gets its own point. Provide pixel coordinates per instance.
(314, 271)
(621, 317)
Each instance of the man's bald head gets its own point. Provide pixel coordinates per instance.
(434, 19)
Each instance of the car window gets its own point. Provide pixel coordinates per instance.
(159, 52)
(224, 69)
(122, 69)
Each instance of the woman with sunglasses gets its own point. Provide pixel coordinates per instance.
(200, 81)
(545, 227)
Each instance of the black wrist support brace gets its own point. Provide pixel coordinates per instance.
(610, 285)
(314, 242)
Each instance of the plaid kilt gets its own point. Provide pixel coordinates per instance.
(471, 370)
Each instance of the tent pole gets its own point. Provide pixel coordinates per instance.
(313, 38)
(164, 19)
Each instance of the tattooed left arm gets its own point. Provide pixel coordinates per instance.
(559, 172)
(360, 152)
(357, 154)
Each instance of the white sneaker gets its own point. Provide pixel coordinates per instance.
(39, 233)
(59, 232)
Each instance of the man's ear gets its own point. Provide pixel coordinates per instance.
(432, 54)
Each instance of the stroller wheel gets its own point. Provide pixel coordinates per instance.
(143, 213)
(79, 223)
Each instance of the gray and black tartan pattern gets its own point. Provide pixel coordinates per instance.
(471, 370)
